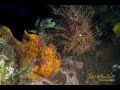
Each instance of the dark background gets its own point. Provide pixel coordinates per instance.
(19, 17)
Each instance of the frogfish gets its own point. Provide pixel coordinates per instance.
(30, 51)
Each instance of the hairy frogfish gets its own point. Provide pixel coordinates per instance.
(30, 51)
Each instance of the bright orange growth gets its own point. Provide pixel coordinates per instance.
(50, 66)
(28, 50)
(31, 52)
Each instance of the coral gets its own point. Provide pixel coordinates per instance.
(44, 29)
(8, 63)
(107, 19)
(40, 26)
(31, 52)
(116, 29)
(28, 50)
(51, 64)
(5, 33)
(66, 75)
(73, 34)
(69, 80)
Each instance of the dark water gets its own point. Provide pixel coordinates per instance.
(19, 17)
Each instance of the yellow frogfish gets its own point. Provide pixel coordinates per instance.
(31, 52)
